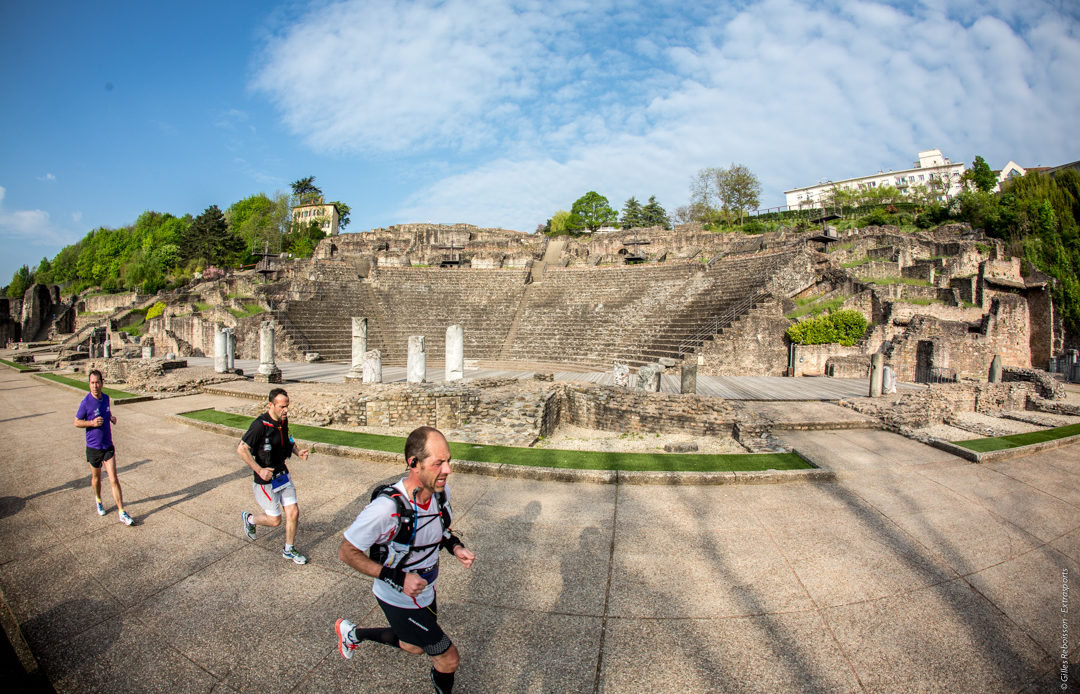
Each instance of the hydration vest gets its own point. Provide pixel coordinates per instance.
(394, 552)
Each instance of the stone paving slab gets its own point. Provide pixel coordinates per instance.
(910, 570)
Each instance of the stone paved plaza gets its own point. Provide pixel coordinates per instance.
(914, 571)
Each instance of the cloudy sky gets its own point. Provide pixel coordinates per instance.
(498, 113)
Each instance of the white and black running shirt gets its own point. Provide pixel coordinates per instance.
(378, 522)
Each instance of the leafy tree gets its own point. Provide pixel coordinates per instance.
(210, 240)
(304, 190)
(844, 327)
(704, 196)
(343, 211)
(20, 282)
(591, 211)
(738, 188)
(259, 221)
(980, 176)
(559, 223)
(631, 215)
(654, 214)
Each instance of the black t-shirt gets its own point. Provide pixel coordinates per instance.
(263, 429)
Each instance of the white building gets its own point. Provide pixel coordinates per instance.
(317, 211)
(930, 166)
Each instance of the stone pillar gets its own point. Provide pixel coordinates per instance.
(876, 364)
(359, 347)
(620, 371)
(268, 371)
(417, 364)
(220, 349)
(148, 347)
(648, 377)
(455, 353)
(688, 378)
(106, 350)
(372, 366)
(995, 369)
(230, 350)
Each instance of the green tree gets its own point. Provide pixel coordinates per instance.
(654, 214)
(20, 282)
(559, 223)
(631, 214)
(304, 190)
(210, 240)
(343, 211)
(738, 188)
(704, 196)
(591, 211)
(980, 176)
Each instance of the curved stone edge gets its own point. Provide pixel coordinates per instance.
(558, 474)
(1004, 454)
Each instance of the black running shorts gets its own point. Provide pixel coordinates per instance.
(97, 456)
(418, 627)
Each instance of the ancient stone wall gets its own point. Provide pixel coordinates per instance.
(103, 303)
(754, 346)
(612, 409)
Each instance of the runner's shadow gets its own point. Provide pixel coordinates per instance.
(26, 416)
(10, 505)
(190, 492)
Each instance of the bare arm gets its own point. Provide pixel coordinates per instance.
(411, 584)
(244, 452)
(90, 423)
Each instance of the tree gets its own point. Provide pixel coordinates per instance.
(559, 223)
(654, 214)
(631, 215)
(210, 240)
(704, 198)
(304, 190)
(980, 176)
(591, 211)
(20, 282)
(738, 189)
(343, 211)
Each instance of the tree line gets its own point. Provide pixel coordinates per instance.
(162, 251)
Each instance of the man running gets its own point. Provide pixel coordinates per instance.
(95, 415)
(268, 439)
(405, 581)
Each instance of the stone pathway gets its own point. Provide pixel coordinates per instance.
(913, 572)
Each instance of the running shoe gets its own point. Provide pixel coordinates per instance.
(346, 641)
(249, 527)
(100, 509)
(294, 555)
(126, 519)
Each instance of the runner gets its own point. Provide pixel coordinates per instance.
(268, 436)
(409, 554)
(95, 415)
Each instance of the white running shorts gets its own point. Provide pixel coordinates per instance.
(272, 502)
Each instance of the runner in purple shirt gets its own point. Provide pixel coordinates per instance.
(95, 415)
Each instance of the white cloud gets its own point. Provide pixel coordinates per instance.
(30, 226)
(48, 177)
(536, 104)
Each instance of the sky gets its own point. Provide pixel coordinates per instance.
(498, 113)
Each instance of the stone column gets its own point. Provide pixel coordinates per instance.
(688, 378)
(620, 371)
(107, 349)
(417, 364)
(372, 366)
(995, 369)
(220, 349)
(455, 353)
(876, 363)
(268, 371)
(359, 347)
(648, 377)
(148, 347)
(230, 350)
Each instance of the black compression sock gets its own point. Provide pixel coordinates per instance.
(443, 681)
(384, 635)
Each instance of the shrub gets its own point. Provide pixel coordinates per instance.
(876, 218)
(843, 327)
(155, 310)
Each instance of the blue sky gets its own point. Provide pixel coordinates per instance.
(499, 113)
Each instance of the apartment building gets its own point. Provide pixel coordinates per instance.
(930, 167)
(318, 211)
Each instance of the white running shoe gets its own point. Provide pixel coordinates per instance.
(126, 519)
(249, 527)
(346, 641)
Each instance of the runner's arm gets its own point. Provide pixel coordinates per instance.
(408, 583)
(245, 454)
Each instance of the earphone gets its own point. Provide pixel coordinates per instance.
(412, 462)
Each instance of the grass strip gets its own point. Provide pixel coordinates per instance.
(16, 365)
(536, 457)
(1001, 443)
(83, 385)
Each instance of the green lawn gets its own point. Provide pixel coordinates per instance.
(1001, 443)
(16, 365)
(80, 383)
(538, 457)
